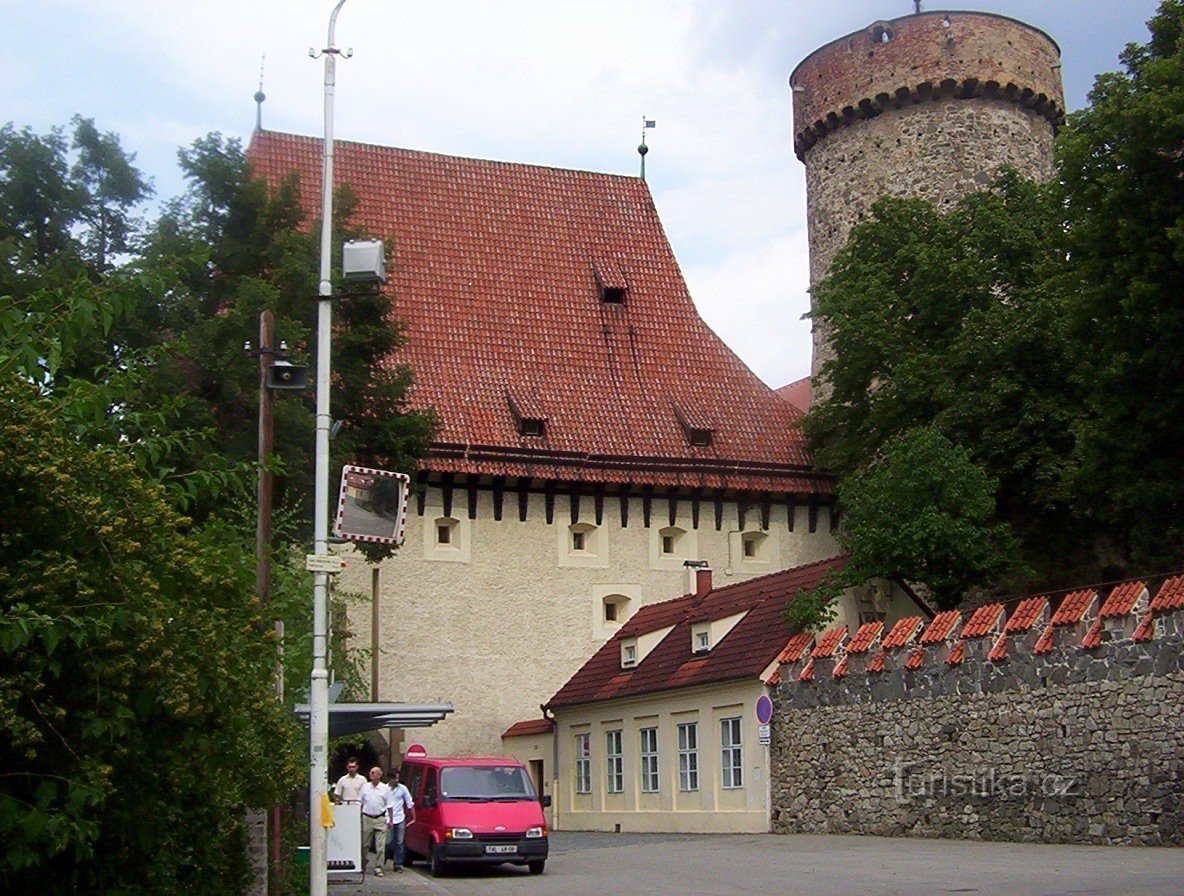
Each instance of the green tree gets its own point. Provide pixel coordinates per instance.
(112, 185)
(1122, 163)
(957, 321)
(135, 675)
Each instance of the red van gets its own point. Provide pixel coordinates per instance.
(473, 810)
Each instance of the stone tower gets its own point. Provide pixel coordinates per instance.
(931, 106)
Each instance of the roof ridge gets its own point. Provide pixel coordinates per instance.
(629, 178)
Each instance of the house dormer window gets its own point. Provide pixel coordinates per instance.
(697, 429)
(527, 412)
(701, 638)
(610, 282)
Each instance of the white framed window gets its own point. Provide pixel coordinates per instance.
(731, 758)
(670, 541)
(688, 757)
(629, 653)
(583, 751)
(614, 762)
(649, 760)
(701, 637)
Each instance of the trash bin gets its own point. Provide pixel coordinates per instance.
(302, 857)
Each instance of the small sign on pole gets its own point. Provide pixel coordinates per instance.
(372, 505)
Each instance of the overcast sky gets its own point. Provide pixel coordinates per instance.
(560, 83)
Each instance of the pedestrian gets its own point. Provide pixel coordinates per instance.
(402, 814)
(376, 816)
(348, 788)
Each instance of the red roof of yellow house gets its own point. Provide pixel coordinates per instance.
(754, 642)
(500, 273)
(529, 727)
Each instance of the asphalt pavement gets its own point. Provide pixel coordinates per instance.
(596, 864)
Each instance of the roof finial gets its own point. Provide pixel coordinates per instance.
(643, 149)
(260, 96)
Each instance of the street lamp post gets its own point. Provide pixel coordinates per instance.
(318, 779)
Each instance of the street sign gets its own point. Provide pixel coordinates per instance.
(372, 505)
(764, 734)
(323, 563)
(764, 709)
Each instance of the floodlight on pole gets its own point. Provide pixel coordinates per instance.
(318, 769)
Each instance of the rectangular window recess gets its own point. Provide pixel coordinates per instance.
(610, 282)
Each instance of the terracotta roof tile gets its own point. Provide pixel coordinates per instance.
(877, 663)
(1045, 642)
(1074, 606)
(795, 647)
(828, 644)
(1122, 599)
(1146, 629)
(529, 726)
(494, 275)
(796, 394)
(1170, 596)
(983, 621)
(865, 638)
(841, 668)
(999, 649)
(941, 628)
(745, 652)
(1026, 614)
(807, 673)
(774, 678)
(956, 655)
(1093, 638)
(916, 658)
(903, 633)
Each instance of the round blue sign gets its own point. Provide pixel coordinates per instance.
(764, 709)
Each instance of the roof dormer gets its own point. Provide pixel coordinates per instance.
(529, 419)
(610, 282)
(636, 648)
(698, 429)
(707, 633)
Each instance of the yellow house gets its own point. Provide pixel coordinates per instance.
(661, 729)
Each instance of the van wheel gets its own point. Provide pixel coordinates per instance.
(439, 869)
(536, 867)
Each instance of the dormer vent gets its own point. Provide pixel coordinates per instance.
(527, 411)
(698, 430)
(610, 282)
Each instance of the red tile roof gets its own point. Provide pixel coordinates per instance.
(1122, 599)
(1146, 629)
(916, 658)
(999, 649)
(864, 638)
(877, 663)
(983, 621)
(1026, 614)
(1047, 640)
(796, 394)
(956, 655)
(745, 652)
(807, 673)
(795, 647)
(840, 668)
(903, 632)
(941, 628)
(529, 726)
(829, 642)
(1074, 607)
(1093, 638)
(494, 274)
(1170, 596)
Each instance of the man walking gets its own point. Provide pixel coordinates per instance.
(348, 788)
(402, 814)
(376, 816)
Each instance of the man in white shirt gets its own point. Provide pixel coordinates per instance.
(348, 788)
(402, 814)
(376, 815)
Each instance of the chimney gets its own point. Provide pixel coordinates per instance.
(698, 576)
(702, 582)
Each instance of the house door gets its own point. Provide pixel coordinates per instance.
(536, 775)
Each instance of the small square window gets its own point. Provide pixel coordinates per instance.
(577, 541)
(444, 534)
(610, 611)
(749, 547)
(702, 641)
(667, 544)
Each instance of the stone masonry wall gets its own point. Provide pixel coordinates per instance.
(1059, 743)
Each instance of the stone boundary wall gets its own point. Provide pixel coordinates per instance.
(1053, 728)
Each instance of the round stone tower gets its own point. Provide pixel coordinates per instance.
(930, 106)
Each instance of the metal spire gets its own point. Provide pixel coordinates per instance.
(642, 149)
(260, 96)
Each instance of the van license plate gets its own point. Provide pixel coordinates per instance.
(501, 849)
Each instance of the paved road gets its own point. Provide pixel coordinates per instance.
(587, 864)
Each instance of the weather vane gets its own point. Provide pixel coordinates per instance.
(646, 124)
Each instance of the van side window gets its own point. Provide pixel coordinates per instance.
(412, 777)
(429, 783)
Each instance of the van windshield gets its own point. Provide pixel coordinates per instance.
(485, 782)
